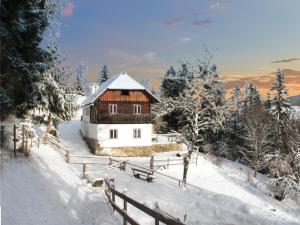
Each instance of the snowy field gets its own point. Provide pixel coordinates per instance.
(225, 194)
(43, 189)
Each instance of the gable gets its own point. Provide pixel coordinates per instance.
(120, 81)
(118, 96)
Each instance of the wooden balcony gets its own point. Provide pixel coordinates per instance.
(125, 119)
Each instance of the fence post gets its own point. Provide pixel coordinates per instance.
(84, 170)
(168, 163)
(125, 208)
(152, 162)
(110, 161)
(15, 141)
(26, 143)
(124, 166)
(113, 195)
(156, 221)
(67, 156)
(23, 138)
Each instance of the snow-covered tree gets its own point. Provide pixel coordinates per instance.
(103, 75)
(213, 103)
(268, 102)
(202, 111)
(285, 169)
(23, 60)
(59, 100)
(258, 150)
(82, 85)
(173, 83)
(251, 97)
(281, 110)
(78, 86)
(234, 127)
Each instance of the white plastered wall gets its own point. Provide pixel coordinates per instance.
(125, 135)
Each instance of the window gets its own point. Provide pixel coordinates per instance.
(137, 133)
(113, 134)
(87, 111)
(125, 92)
(137, 109)
(113, 109)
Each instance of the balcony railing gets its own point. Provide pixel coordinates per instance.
(125, 118)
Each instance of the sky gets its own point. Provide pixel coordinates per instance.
(248, 40)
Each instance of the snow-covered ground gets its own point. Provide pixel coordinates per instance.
(52, 189)
(225, 194)
(43, 189)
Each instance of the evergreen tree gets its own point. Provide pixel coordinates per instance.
(258, 148)
(268, 102)
(82, 85)
(23, 60)
(78, 86)
(103, 75)
(252, 97)
(59, 100)
(281, 110)
(214, 94)
(174, 83)
(234, 127)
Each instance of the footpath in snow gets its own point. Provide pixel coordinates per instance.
(43, 189)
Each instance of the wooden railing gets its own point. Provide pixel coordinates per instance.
(158, 216)
(166, 163)
(125, 118)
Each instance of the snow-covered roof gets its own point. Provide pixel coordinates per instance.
(121, 81)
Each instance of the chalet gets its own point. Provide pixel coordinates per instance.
(116, 118)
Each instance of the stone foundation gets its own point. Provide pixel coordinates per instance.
(131, 151)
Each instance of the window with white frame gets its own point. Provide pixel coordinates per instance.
(113, 109)
(137, 109)
(137, 133)
(87, 111)
(113, 133)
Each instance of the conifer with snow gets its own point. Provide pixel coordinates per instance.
(59, 100)
(23, 60)
(103, 75)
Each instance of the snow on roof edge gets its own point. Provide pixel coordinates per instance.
(120, 79)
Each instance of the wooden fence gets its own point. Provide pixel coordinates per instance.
(166, 163)
(158, 217)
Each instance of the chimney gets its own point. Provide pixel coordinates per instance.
(94, 87)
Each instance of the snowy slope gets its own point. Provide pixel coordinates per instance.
(225, 194)
(43, 189)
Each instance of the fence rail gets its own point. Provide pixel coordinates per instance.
(165, 163)
(111, 193)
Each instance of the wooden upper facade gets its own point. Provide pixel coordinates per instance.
(122, 106)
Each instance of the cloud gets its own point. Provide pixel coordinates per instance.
(67, 9)
(184, 40)
(172, 21)
(217, 7)
(129, 59)
(213, 8)
(201, 23)
(286, 60)
(264, 82)
(149, 56)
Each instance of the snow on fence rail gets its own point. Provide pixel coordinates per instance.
(158, 216)
(165, 163)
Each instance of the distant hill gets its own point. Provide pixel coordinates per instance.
(295, 100)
